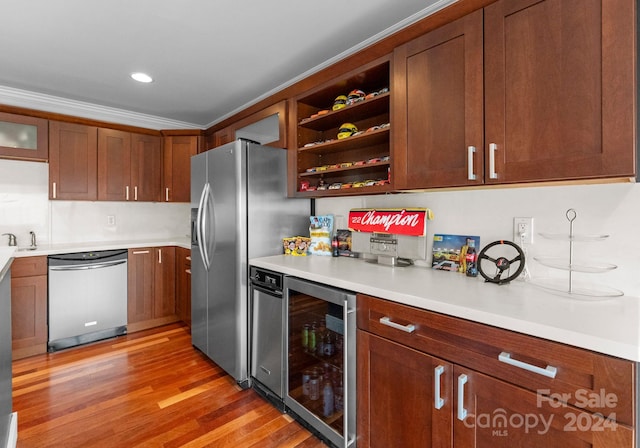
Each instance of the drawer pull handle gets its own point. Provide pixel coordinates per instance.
(438, 401)
(462, 412)
(549, 371)
(409, 328)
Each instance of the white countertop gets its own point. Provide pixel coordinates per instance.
(63, 248)
(609, 326)
(7, 253)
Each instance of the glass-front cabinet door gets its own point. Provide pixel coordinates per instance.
(320, 373)
(23, 137)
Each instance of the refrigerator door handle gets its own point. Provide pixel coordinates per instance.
(208, 240)
(199, 229)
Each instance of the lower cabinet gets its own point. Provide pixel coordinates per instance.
(429, 380)
(183, 284)
(29, 306)
(151, 287)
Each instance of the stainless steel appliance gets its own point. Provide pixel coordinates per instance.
(267, 334)
(239, 211)
(320, 381)
(8, 420)
(87, 297)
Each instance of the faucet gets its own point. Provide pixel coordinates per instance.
(12, 239)
(33, 239)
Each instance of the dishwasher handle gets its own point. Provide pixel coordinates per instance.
(84, 267)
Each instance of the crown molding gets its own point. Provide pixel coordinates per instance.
(435, 7)
(48, 103)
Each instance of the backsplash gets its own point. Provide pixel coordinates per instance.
(611, 209)
(25, 207)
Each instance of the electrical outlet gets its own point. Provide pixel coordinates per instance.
(111, 220)
(523, 226)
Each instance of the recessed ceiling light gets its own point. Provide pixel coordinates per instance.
(141, 77)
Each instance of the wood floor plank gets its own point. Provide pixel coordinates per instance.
(146, 389)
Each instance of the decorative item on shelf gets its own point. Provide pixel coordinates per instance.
(569, 287)
(355, 96)
(346, 130)
(500, 264)
(340, 102)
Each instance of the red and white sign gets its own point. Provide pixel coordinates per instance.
(405, 221)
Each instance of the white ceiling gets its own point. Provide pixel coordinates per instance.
(209, 58)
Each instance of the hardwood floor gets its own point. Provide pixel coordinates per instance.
(146, 389)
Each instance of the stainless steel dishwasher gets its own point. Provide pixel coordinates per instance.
(267, 335)
(87, 297)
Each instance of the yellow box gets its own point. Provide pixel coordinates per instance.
(296, 245)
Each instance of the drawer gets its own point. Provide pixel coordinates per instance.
(29, 266)
(582, 378)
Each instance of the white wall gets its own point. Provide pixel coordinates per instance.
(24, 207)
(612, 209)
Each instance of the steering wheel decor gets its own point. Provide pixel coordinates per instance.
(500, 264)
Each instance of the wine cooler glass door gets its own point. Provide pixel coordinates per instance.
(320, 378)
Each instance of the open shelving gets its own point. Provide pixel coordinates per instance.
(359, 164)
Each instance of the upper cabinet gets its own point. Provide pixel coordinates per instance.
(146, 167)
(129, 166)
(178, 150)
(267, 126)
(23, 137)
(342, 136)
(73, 161)
(437, 107)
(558, 88)
(114, 162)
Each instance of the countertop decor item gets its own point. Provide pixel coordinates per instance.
(570, 287)
(501, 264)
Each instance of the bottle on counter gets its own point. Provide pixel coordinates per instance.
(472, 259)
(335, 246)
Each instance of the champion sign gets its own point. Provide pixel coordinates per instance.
(404, 221)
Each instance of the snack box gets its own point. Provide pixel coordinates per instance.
(296, 245)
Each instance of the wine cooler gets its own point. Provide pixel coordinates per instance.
(320, 383)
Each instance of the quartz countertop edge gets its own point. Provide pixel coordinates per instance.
(64, 248)
(609, 326)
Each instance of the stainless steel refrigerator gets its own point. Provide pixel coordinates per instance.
(239, 210)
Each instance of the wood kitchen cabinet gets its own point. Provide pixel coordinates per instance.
(29, 306)
(151, 287)
(129, 166)
(558, 95)
(146, 167)
(255, 128)
(396, 393)
(73, 161)
(177, 153)
(428, 379)
(437, 104)
(183, 284)
(24, 137)
(114, 165)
